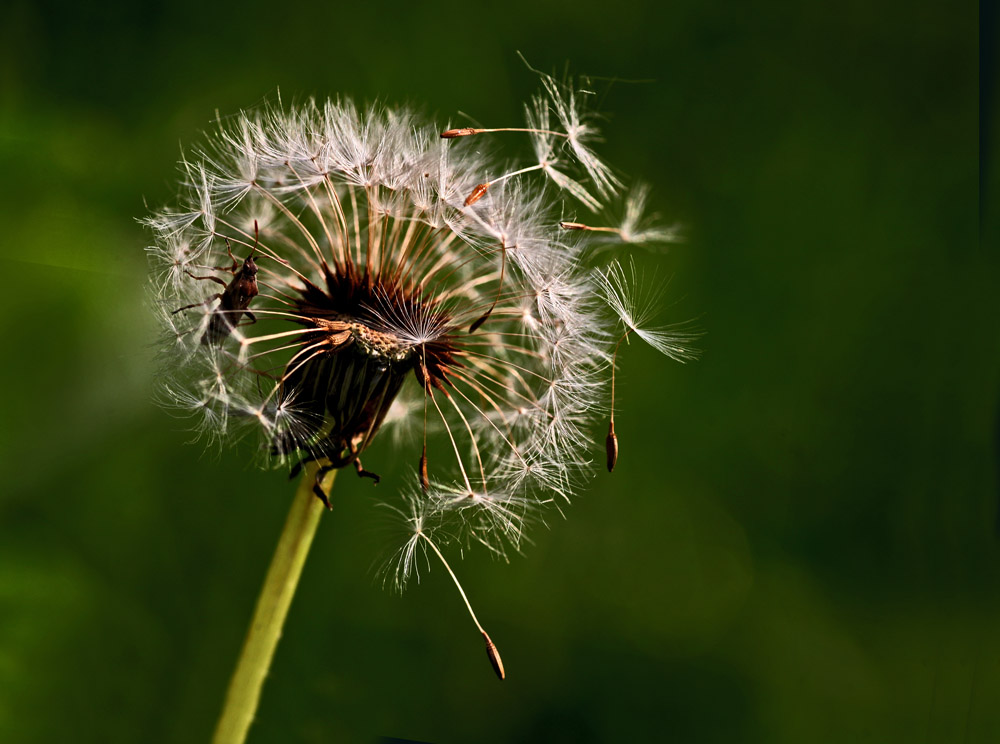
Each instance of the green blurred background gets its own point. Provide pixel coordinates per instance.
(800, 541)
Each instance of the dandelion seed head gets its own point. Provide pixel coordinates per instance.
(324, 275)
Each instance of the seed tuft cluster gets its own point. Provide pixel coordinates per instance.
(330, 271)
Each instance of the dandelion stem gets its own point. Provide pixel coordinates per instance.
(272, 608)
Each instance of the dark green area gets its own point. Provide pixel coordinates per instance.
(800, 541)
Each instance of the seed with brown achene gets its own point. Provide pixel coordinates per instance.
(425, 482)
(477, 193)
(461, 132)
(611, 445)
(494, 656)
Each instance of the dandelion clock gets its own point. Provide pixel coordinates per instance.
(329, 272)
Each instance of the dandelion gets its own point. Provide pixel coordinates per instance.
(331, 271)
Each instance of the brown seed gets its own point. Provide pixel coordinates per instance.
(572, 225)
(477, 193)
(462, 132)
(494, 656)
(425, 482)
(482, 319)
(611, 445)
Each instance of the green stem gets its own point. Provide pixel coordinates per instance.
(272, 608)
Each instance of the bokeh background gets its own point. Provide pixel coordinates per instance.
(800, 541)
